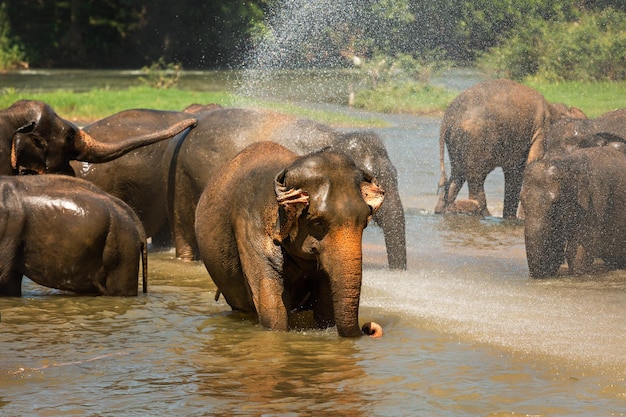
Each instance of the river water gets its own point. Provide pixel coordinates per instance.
(467, 332)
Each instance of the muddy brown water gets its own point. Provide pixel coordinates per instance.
(467, 332)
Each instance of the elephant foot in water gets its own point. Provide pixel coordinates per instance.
(186, 255)
(372, 329)
(467, 207)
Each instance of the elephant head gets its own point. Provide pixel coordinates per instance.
(560, 111)
(542, 199)
(325, 202)
(35, 140)
(562, 210)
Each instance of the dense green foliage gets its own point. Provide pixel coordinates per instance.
(552, 39)
(590, 48)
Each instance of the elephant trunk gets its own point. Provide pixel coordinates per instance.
(390, 217)
(91, 150)
(343, 264)
(545, 249)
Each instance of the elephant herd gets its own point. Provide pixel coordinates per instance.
(569, 172)
(275, 205)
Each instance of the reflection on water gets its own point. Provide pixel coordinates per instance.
(467, 332)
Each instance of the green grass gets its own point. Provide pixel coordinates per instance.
(84, 107)
(415, 98)
(592, 98)
(411, 98)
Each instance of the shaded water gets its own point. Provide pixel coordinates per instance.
(467, 332)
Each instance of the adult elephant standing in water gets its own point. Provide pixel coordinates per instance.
(222, 133)
(575, 208)
(497, 123)
(280, 233)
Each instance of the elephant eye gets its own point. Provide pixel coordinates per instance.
(38, 141)
(319, 228)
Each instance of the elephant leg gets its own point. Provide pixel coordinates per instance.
(512, 187)
(182, 220)
(11, 285)
(266, 286)
(476, 186)
(579, 259)
(450, 191)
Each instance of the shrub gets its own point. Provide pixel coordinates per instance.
(588, 49)
(161, 75)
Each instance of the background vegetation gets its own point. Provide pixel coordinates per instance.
(555, 39)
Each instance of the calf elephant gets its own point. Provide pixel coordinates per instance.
(497, 123)
(280, 233)
(34, 140)
(575, 209)
(222, 133)
(65, 233)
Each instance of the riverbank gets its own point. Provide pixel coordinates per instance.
(88, 105)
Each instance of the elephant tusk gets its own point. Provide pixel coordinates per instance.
(372, 329)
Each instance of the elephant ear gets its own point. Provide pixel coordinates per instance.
(27, 128)
(291, 203)
(372, 193)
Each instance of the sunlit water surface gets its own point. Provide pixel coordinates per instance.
(467, 332)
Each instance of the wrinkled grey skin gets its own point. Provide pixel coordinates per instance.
(222, 133)
(34, 140)
(575, 209)
(140, 177)
(65, 233)
(497, 123)
(165, 180)
(566, 135)
(280, 233)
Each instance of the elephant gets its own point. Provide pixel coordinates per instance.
(575, 208)
(223, 132)
(165, 180)
(35, 140)
(497, 123)
(63, 232)
(568, 134)
(279, 233)
(138, 178)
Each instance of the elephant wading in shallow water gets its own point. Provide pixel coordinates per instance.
(280, 233)
(34, 140)
(222, 133)
(65, 233)
(575, 209)
(494, 124)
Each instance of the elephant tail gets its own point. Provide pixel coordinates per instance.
(144, 266)
(443, 135)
